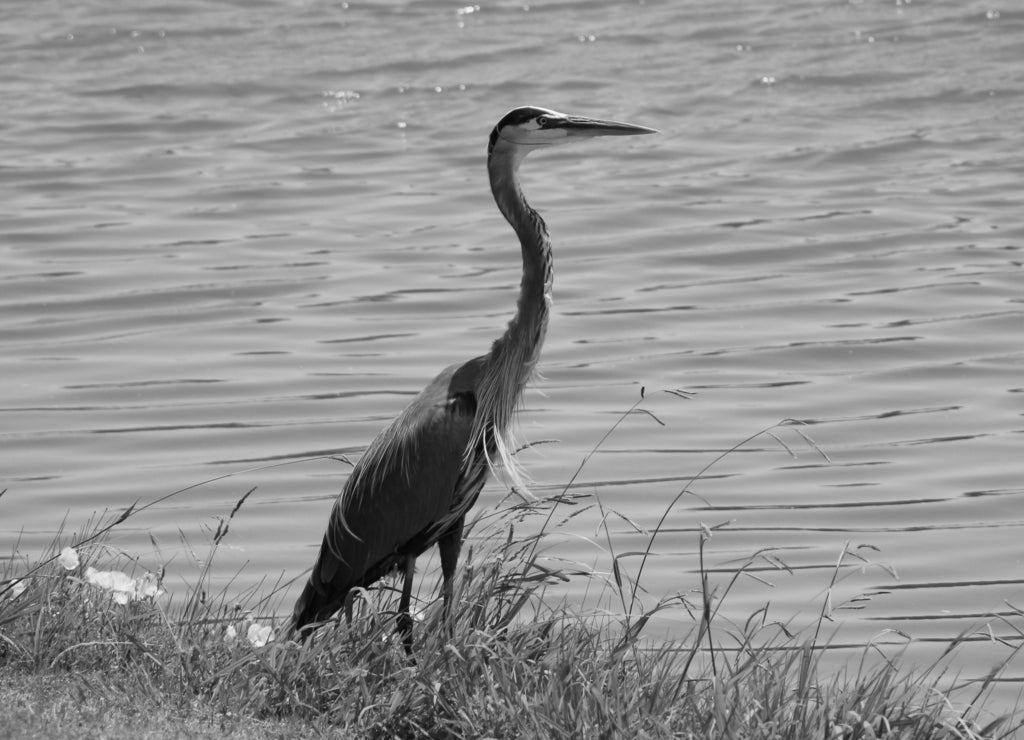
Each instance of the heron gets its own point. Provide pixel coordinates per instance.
(418, 478)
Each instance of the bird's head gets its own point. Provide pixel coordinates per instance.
(523, 129)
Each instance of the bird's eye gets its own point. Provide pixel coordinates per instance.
(542, 121)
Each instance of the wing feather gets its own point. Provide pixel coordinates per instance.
(412, 483)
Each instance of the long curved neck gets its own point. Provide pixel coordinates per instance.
(516, 352)
(513, 356)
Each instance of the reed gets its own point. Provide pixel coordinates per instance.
(114, 656)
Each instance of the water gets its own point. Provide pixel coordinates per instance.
(237, 235)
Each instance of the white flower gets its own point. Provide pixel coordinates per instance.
(109, 580)
(259, 635)
(148, 587)
(68, 558)
(122, 586)
(230, 634)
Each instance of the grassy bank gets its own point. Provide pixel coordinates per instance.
(91, 646)
(89, 654)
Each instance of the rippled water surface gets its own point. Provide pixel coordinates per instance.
(236, 234)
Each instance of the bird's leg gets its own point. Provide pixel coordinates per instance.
(403, 623)
(350, 600)
(449, 546)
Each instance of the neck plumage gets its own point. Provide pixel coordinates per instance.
(513, 357)
(518, 348)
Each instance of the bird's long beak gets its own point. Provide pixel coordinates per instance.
(580, 126)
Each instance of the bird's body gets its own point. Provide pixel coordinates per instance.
(419, 477)
(409, 469)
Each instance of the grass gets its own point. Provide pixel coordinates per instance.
(104, 656)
